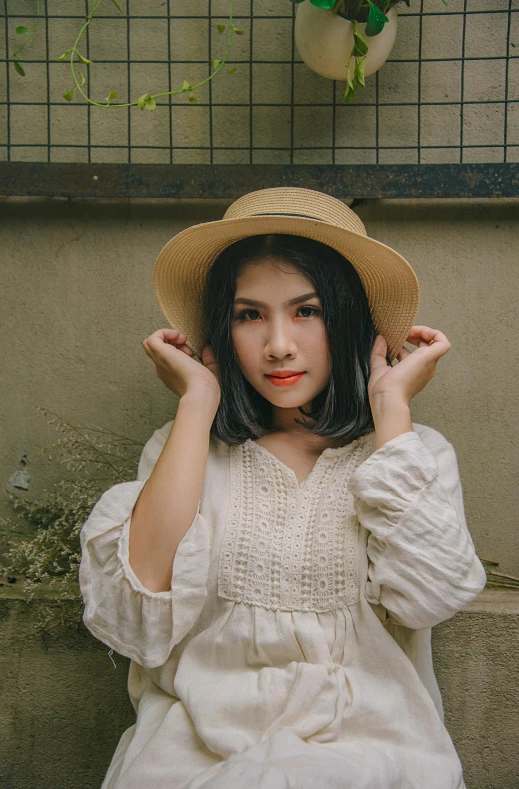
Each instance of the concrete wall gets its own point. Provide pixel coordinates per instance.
(78, 301)
(65, 705)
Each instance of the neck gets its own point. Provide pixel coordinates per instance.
(283, 425)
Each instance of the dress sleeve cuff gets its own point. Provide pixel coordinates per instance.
(119, 610)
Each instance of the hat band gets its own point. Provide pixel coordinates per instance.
(280, 213)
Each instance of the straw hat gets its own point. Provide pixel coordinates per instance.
(389, 281)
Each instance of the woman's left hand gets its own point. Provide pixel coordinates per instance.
(414, 369)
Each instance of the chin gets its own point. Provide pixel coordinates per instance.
(288, 399)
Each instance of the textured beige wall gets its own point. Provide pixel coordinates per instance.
(76, 283)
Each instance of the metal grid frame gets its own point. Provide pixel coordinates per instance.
(380, 179)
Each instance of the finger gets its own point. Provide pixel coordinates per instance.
(425, 333)
(379, 352)
(434, 340)
(179, 340)
(165, 332)
(169, 336)
(379, 346)
(403, 354)
(173, 338)
(147, 348)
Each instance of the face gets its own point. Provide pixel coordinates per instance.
(275, 329)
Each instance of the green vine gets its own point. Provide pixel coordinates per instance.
(147, 100)
(21, 30)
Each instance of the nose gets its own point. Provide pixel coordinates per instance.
(279, 339)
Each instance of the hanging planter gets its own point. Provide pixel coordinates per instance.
(345, 39)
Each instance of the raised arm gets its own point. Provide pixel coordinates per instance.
(169, 500)
(144, 605)
(423, 567)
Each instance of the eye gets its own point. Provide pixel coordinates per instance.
(242, 316)
(315, 310)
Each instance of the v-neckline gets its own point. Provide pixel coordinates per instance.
(328, 452)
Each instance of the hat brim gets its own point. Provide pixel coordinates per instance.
(182, 265)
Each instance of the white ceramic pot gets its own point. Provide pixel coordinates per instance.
(324, 40)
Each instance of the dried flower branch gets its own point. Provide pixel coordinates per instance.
(45, 536)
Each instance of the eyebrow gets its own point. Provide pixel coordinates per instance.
(297, 300)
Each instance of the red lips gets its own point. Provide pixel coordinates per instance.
(284, 373)
(285, 380)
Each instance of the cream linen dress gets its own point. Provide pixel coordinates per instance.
(293, 650)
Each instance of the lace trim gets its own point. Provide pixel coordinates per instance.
(287, 546)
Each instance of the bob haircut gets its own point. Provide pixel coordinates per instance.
(341, 410)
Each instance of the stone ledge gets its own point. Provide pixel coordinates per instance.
(498, 601)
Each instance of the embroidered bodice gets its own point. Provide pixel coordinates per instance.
(289, 546)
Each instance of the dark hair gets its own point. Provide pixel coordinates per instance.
(342, 409)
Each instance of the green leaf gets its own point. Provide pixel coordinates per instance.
(150, 103)
(21, 30)
(231, 70)
(215, 64)
(82, 79)
(358, 74)
(19, 68)
(64, 55)
(221, 28)
(112, 95)
(186, 86)
(376, 20)
(116, 4)
(192, 97)
(142, 99)
(360, 45)
(349, 93)
(70, 95)
(238, 31)
(82, 59)
(326, 4)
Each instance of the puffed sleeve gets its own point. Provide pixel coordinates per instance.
(422, 565)
(119, 610)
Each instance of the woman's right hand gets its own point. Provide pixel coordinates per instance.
(178, 370)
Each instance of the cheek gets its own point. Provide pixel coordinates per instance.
(244, 346)
(317, 352)
(316, 341)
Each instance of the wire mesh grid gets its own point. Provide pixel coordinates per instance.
(448, 93)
